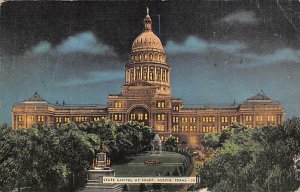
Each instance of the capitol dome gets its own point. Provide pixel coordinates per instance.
(147, 40)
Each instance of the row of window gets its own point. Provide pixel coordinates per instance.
(159, 74)
(208, 119)
(39, 118)
(259, 118)
(79, 119)
(225, 119)
(208, 129)
(139, 116)
(193, 128)
(159, 104)
(151, 57)
(204, 119)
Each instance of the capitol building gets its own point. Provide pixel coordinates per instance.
(146, 97)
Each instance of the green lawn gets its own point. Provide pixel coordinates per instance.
(136, 167)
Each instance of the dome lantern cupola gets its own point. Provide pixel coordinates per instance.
(147, 22)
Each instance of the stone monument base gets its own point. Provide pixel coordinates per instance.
(97, 187)
(95, 177)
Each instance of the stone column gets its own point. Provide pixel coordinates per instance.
(148, 68)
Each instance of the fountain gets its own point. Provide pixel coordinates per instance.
(156, 144)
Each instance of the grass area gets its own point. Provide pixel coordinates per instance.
(136, 167)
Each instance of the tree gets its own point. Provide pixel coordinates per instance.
(143, 187)
(259, 159)
(171, 143)
(42, 159)
(46, 158)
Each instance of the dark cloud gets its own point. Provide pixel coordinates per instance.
(94, 77)
(236, 53)
(241, 17)
(196, 45)
(85, 42)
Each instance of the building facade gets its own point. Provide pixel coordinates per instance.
(146, 97)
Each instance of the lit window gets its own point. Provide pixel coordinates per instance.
(259, 118)
(192, 119)
(175, 108)
(40, 118)
(20, 118)
(96, 119)
(184, 128)
(67, 119)
(140, 116)
(224, 127)
(163, 75)
(146, 116)
(132, 116)
(192, 128)
(224, 119)
(248, 118)
(161, 127)
(118, 105)
(118, 117)
(175, 128)
(233, 119)
(184, 119)
(145, 72)
(175, 119)
(160, 104)
(58, 119)
(158, 117)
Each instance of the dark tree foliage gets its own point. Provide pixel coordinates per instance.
(143, 187)
(46, 158)
(170, 143)
(259, 159)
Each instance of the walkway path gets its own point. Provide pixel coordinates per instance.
(184, 188)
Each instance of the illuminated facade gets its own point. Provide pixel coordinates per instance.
(146, 97)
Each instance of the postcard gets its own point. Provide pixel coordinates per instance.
(150, 96)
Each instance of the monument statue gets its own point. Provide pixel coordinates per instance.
(101, 147)
(101, 168)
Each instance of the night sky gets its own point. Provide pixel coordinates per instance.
(219, 51)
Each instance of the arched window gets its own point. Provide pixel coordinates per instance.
(151, 56)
